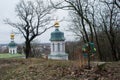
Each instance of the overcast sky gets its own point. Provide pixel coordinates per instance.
(7, 10)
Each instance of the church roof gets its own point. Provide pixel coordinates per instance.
(57, 36)
(12, 44)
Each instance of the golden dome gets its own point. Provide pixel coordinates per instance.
(12, 36)
(56, 24)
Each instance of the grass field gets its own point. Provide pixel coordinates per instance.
(8, 55)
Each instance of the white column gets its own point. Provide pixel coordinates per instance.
(9, 50)
(15, 50)
(56, 47)
(61, 47)
(12, 51)
(51, 47)
(64, 46)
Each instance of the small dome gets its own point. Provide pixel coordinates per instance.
(12, 44)
(56, 24)
(57, 36)
(12, 36)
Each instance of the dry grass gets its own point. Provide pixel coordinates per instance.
(32, 69)
(41, 69)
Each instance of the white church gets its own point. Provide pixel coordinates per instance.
(57, 44)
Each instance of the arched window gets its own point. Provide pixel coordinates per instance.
(58, 46)
(13, 51)
(10, 51)
(53, 46)
(63, 46)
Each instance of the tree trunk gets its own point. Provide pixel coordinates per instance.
(27, 49)
(111, 39)
(114, 53)
(98, 46)
(118, 50)
(91, 30)
(86, 35)
(89, 66)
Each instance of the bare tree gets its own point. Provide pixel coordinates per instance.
(117, 3)
(76, 26)
(33, 19)
(94, 21)
(110, 22)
